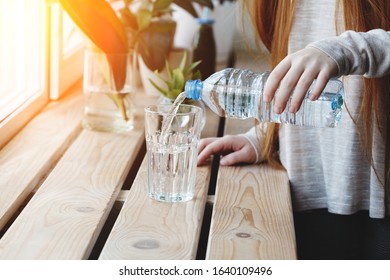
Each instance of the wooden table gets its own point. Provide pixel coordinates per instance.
(70, 193)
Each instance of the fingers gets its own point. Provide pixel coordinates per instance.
(274, 80)
(287, 86)
(236, 149)
(204, 142)
(319, 86)
(301, 89)
(208, 147)
(245, 155)
(294, 75)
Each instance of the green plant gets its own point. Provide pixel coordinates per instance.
(105, 32)
(139, 14)
(176, 78)
(151, 28)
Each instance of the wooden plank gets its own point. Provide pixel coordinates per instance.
(252, 215)
(147, 229)
(269, 242)
(65, 216)
(27, 159)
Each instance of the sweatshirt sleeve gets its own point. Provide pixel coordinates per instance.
(359, 53)
(252, 137)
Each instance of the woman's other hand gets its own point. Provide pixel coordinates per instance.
(295, 73)
(234, 149)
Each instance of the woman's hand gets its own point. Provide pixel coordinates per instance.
(295, 73)
(234, 148)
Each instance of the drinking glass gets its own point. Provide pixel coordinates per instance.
(172, 149)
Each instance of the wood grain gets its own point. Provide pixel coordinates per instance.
(148, 229)
(27, 159)
(66, 214)
(252, 215)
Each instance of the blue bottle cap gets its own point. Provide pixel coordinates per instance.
(193, 89)
(337, 102)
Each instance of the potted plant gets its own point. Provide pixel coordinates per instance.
(151, 30)
(173, 83)
(150, 26)
(175, 79)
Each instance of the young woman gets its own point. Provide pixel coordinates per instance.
(339, 176)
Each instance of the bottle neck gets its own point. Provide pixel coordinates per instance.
(193, 89)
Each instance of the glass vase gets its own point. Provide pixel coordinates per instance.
(108, 91)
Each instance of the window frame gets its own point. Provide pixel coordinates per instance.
(65, 68)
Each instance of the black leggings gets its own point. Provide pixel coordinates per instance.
(321, 235)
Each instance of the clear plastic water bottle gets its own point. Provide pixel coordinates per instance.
(237, 93)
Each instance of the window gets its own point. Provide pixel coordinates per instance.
(28, 76)
(23, 71)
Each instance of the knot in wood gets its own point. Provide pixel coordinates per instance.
(243, 235)
(146, 244)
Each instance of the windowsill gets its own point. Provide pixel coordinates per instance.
(14, 122)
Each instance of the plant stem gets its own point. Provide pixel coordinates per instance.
(119, 100)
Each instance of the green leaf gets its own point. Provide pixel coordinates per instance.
(162, 78)
(197, 75)
(163, 91)
(173, 94)
(168, 69)
(191, 67)
(178, 79)
(144, 18)
(183, 62)
(119, 101)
